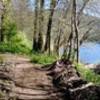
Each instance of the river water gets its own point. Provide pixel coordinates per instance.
(89, 53)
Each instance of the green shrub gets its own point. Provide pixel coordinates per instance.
(88, 74)
(13, 48)
(20, 38)
(17, 44)
(10, 30)
(14, 41)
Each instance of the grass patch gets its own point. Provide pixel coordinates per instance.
(43, 58)
(88, 74)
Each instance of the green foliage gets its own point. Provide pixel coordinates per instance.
(43, 58)
(14, 41)
(88, 74)
(13, 48)
(10, 30)
(21, 39)
(17, 44)
(9, 27)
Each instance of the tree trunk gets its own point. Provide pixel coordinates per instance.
(76, 30)
(41, 18)
(2, 22)
(49, 26)
(73, 41)
(1, 32)
(35, 41)
(38, 25)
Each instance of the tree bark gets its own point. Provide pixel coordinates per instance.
(76, 30)
(49, 26)
(73, 41)
(41, 18)
(1, 30)
(35, 41)
(2, 22)
(38, 25)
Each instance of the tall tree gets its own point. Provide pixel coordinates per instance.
(73, 40)
(76, 30)
(49, 26)
(38, 25)
(35, 41)
(2, 21)
(4, 17)
(41, 19)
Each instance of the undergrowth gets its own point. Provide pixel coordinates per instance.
(88, 74)
(18, 44)
(43, 58)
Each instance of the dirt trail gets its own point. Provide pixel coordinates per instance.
(22, 80)
(28, 82)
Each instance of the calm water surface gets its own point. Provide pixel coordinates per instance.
(88, 53)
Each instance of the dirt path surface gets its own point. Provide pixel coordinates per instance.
(22, 80)
(27, 81)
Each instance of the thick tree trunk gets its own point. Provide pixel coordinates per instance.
(2, 28)
(35, 40)
(49, 26)
(41, 19)
(38, 26)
